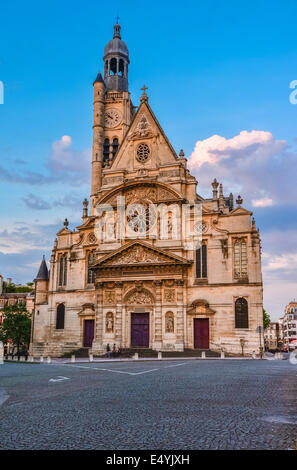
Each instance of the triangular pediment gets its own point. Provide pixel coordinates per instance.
(200, 307)
(139, 253)
(240, 211)
(89, 223)
(63, 231)
(156, 149)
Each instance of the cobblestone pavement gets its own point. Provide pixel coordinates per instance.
(231, 404)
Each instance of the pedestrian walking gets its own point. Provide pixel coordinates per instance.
(108, 350)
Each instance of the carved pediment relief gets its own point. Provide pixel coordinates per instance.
(139, 253)
(142, 297)
(143, 129)
(87, 310)
(141, 191)
(201, 307)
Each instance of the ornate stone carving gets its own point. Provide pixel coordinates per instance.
(92, 238)
(142, 297)
(169, 320)
(169, 295)
(138, 254)
(142, 130)
(142, 193)
(109, 297)
(224, 246)
(109, 322)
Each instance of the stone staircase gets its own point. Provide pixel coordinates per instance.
(147, 353)
(82, 352)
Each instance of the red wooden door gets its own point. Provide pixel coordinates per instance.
(140, 335)
(88, 333)
(201, 333)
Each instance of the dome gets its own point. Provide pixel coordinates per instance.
(116, 46)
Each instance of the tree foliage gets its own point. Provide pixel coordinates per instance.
(266, 319)
(11, 288)
(16, 325)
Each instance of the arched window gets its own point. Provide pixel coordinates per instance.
(60, 320)
(121, 67)
(201, 262)
(115, 146)
(91, 273)
(63, 270)
(240, 259)
(105, 152)
(241, 313)
(113, 66)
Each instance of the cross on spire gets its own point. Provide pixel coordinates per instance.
(144, 95)
(118, 19)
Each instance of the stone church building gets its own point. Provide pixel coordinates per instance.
(127, 275)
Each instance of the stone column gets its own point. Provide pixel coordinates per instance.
(97, 347)
(157, 341)
(179, 345)
(118, 318)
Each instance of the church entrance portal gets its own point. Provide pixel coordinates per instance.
(88, 333)
(201, 333)
(140, 330)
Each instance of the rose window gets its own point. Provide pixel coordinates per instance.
(140, 217)
(143, 153)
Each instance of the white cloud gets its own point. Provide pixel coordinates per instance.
(265, 202)
(253, 164)
(64, 158)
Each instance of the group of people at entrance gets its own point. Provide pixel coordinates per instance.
(115, 352)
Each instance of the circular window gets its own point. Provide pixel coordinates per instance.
(143, 153)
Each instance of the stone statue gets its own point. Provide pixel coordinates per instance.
(170, 324)
(109, 323)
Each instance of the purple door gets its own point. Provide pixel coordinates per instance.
(88, 333)
(201, 333)
(140, 330)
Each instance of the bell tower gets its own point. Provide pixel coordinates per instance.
(116, 62)
(113, 110)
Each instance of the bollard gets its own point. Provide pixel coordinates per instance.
(135, 356)
(222, 355)
(254, 355)
(73, 358)
(15, 358)
(31, 359)
(159, 355)
(48, 360)
(1, 353)
(41, 359)
(91, 358)
(22, 358)
(203, 355)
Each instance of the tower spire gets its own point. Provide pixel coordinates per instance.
(116, 62)
(117, 30)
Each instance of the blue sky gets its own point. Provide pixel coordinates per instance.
(213, 68)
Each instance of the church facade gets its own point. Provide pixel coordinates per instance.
(138, 272)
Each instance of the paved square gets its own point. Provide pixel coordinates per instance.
(210, 404)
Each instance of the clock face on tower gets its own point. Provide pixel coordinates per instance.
(112, 118)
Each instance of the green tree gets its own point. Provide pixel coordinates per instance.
(11, 288)
(16, 325)
(266, 319)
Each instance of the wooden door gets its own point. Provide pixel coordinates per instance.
(88, 333)
(201, 333)
(140, 333)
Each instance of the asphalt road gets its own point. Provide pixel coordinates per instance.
(218, 404)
